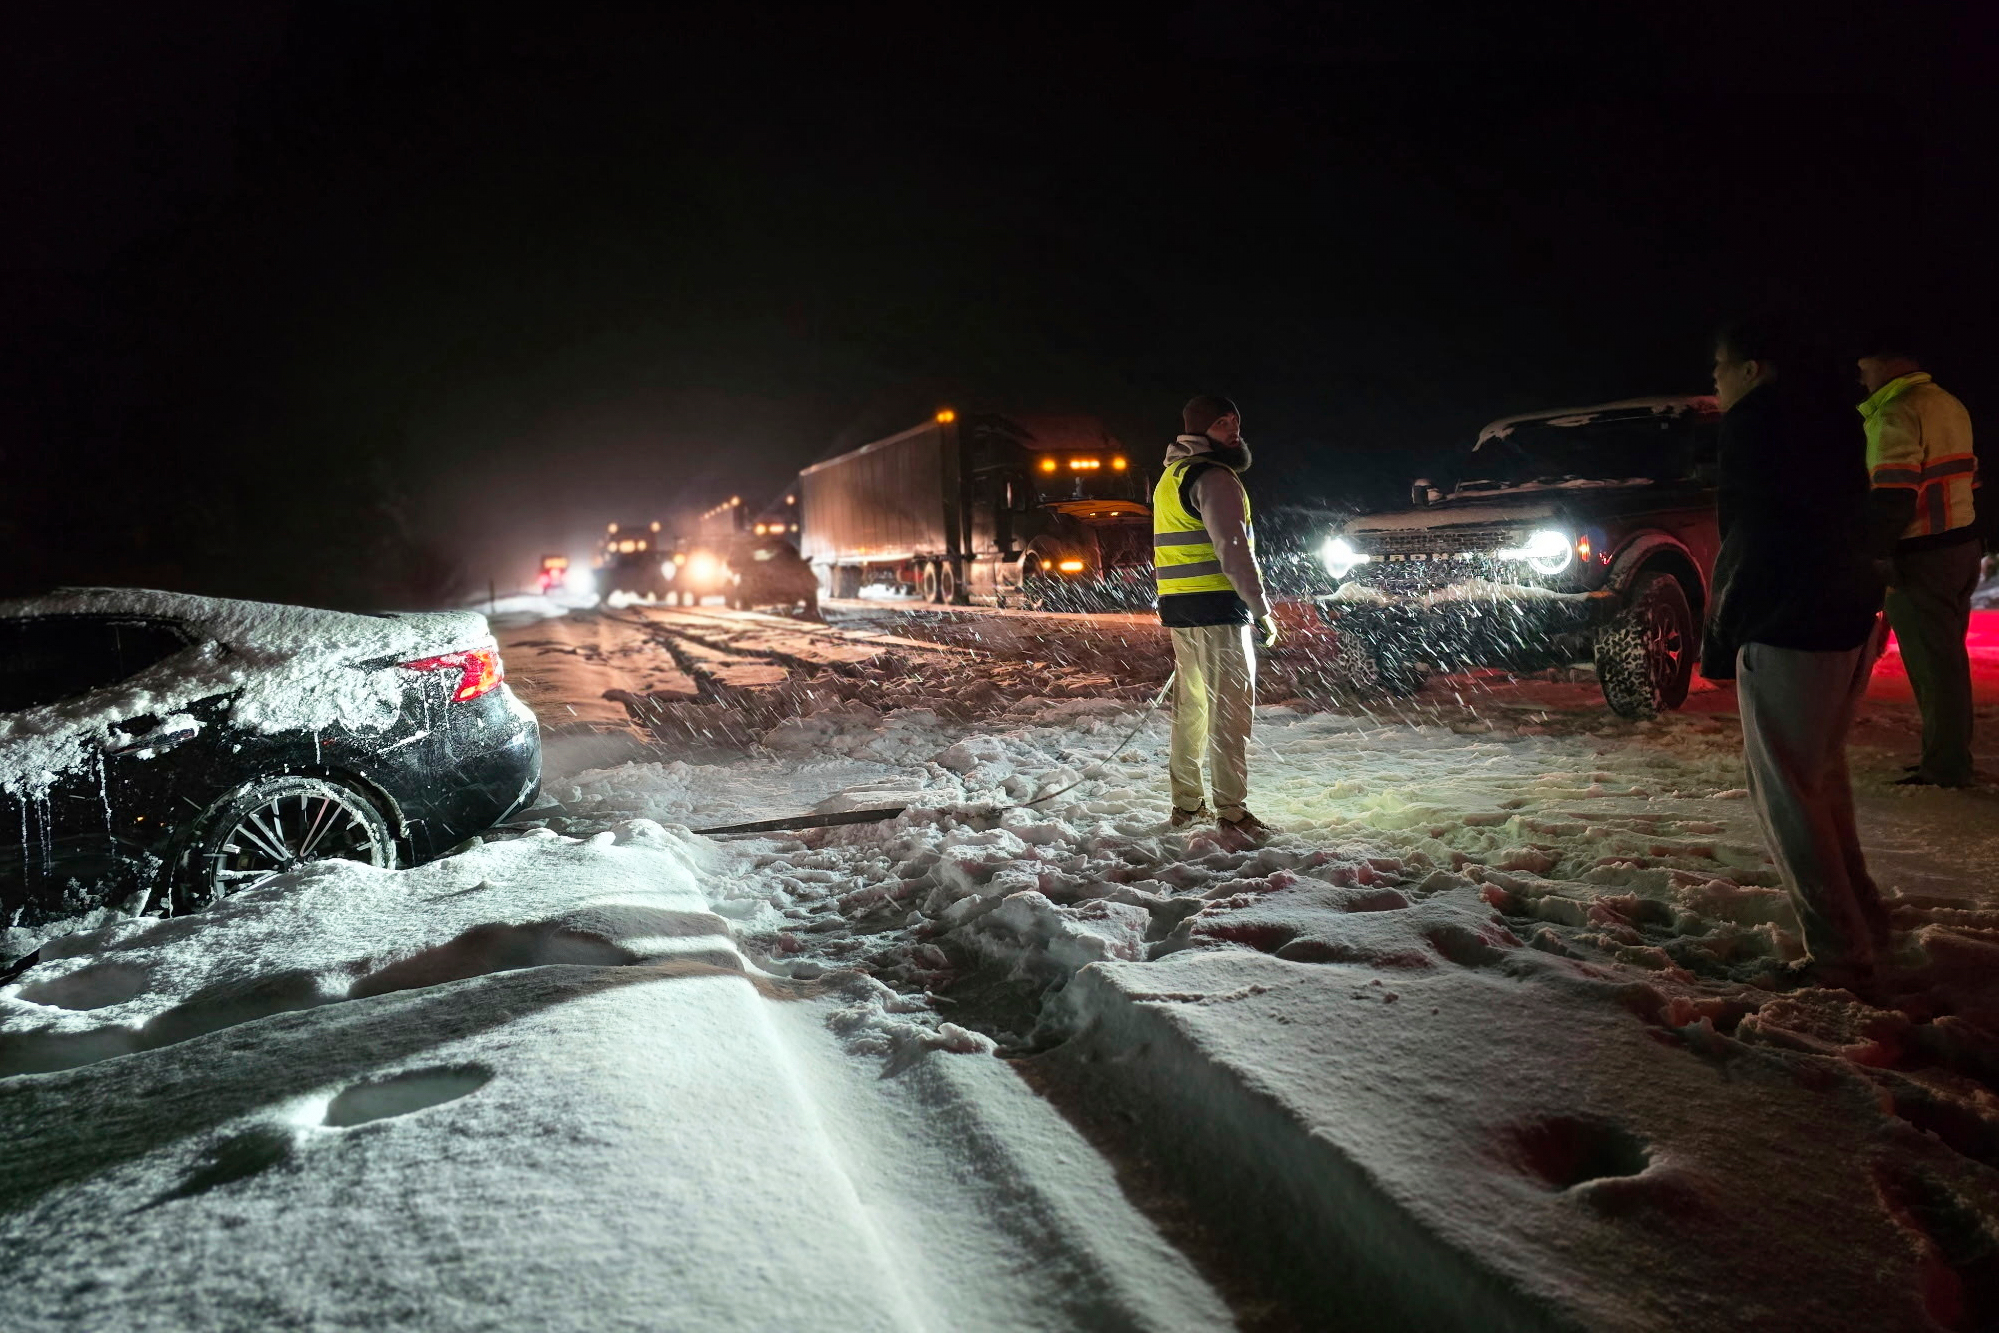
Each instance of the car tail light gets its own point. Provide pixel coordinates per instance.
(479, 669)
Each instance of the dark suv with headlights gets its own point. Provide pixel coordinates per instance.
(1585, 535)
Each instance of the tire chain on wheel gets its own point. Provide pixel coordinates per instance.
(1623, 667)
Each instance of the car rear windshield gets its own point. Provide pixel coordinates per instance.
(1660, 448)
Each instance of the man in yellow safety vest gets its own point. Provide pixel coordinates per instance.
(1922, 470)
(1210, 594)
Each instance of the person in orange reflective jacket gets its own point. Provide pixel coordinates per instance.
(1922, 472)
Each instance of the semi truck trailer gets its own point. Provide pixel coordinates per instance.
(1043, 512)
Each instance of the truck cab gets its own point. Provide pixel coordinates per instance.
(628, 561)
(1064, 513)
(1040, 511)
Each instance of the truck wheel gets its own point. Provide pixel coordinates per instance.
(1036, 588)
(1645, 657)
(947, 583)
(927, 583)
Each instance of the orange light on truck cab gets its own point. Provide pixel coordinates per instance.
(945, 416)
(655, 525)
(1118, 464)
(1070, 566)
(1047, 465)
(1084, 464)
(612, 529)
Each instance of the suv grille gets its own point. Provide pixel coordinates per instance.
(1440, 542)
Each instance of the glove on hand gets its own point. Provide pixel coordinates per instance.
(1266, 628)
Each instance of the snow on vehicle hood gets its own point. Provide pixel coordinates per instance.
(1447, 516)
(291, 668)
(1482, 486)
(1668, 405)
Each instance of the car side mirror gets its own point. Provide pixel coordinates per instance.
(1423, 491)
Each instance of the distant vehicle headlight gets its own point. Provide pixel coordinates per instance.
(701, 567)
(1548, 551)
(1340, 557)
(668, 568)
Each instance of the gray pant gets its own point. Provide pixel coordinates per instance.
(1930, 608)
(1796, 709)
(1214, 698)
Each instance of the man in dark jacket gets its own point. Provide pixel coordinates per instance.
(1794, 621)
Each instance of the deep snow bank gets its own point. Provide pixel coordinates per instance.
(529, 1086)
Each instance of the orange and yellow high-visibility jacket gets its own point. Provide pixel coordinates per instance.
(1919, 439)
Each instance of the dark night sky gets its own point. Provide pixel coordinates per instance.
(329, 301)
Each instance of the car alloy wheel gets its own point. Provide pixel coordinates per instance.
(273, 825)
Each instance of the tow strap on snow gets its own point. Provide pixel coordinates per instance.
(891, 811)
(1129, 736)
(809, 821)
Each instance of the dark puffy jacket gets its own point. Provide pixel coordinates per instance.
(1796, 568)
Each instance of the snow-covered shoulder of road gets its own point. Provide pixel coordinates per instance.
(1484, 1038)
(1499, 997)
(530, 1086)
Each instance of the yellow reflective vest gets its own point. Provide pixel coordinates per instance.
(1919, 439)
(1184, 558)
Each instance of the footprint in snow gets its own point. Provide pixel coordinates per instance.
(97, 987)
(401, 1094)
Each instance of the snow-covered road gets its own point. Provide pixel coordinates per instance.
(1483, 1040)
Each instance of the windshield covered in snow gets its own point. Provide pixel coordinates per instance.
(1567, 451)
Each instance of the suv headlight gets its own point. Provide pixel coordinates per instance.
(1340, 557)
(1548, 551)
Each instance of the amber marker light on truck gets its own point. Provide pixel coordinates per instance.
(1047, 465)
(1084, 464)
(945, 416)
(1118, 463)
(1070, 566)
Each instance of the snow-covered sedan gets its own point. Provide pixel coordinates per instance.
(162, 748)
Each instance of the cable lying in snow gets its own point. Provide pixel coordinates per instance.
(808, 821)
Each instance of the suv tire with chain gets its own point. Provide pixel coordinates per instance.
(1645, 657)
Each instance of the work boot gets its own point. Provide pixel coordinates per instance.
(1182, 818)
(1856, 978)
(1248, 825)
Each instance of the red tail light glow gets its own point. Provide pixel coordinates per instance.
(479, 669)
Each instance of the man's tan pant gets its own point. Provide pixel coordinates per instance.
(1213, 698)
